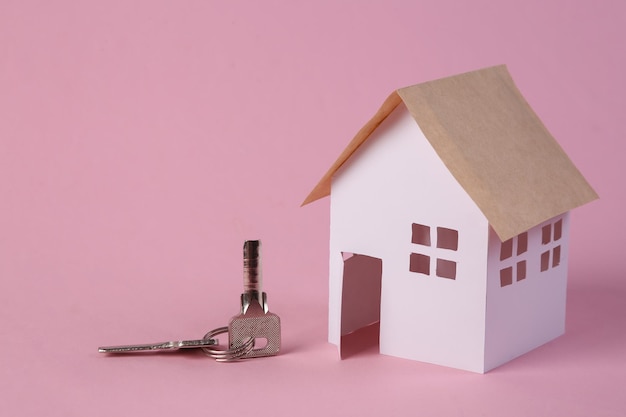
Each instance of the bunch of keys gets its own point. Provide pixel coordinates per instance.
(254, 332)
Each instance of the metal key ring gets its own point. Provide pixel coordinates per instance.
(227, 355)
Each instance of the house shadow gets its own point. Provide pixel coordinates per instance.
(596, 315)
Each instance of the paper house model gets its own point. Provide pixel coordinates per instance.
(449, 225)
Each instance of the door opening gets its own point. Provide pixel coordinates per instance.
(360, 304)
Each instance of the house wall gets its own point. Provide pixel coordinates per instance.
(527, 313)
(396, 179)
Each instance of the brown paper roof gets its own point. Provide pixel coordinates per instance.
(493, 144)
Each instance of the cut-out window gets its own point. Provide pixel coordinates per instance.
(521, 270)
(558, 229)
(546, 234)
(506, 276)
(545, 261)
(551, 234)
(506, 250)
(556, 256)
(419, 263)
(447, 238)
(517, 245)
(421, 234)
(446, 269)
(522, 243)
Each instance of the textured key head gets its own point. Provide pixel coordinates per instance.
(259, 325)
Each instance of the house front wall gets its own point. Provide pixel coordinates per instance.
(385, 200)
(526, 286)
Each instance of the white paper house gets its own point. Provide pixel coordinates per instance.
(450, 225)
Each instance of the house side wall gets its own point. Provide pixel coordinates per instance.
(528, 313)
(396, 179)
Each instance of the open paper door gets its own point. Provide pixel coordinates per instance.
(360, 304)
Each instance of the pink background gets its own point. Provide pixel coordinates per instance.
(142, 141)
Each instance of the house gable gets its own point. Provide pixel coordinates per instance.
(377, 197)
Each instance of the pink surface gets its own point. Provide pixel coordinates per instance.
(142, 141)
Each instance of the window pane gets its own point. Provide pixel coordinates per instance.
(446, 269)
(521, 270)
(546, 231)
(545, 261)
(556, 256)
(506, 250)
(447, 238)
(522, 243)
(558, 229)
(506, 276)
(421, 234)
(419, 263)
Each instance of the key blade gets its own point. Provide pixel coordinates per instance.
(159, 347)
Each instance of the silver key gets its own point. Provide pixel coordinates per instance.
(208, 344)
(163, 346)
(254, 320)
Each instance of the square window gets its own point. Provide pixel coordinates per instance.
(546, 232)
(506, 276)
(545, 261)
(421, 234)
(556, 256)
(558, 229)
(446, 269)
(447, 238)
(521, 270)
(419, 263)
(522, 243)
(506, 250)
